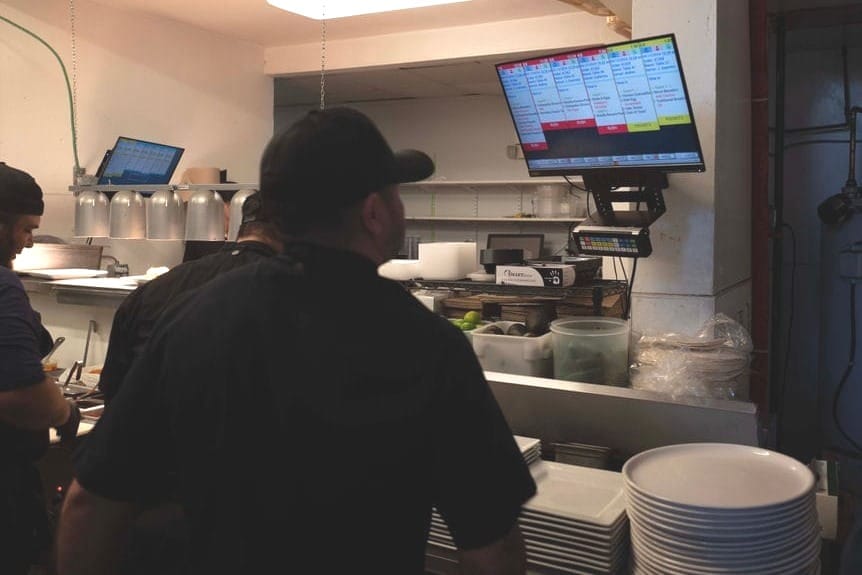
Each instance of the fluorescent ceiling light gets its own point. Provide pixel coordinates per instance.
(328, 9)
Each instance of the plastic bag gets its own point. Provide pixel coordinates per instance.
(712, 364)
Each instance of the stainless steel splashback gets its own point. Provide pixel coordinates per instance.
(53, 256)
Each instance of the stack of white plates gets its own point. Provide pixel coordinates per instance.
(721, 508)
(530, 447)
(576, 523)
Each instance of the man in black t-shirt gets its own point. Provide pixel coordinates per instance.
(137, 315)
(158, 542)
(314, 411)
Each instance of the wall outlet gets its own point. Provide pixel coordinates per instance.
(514, 152)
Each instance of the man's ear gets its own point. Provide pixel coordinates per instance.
(373, 214)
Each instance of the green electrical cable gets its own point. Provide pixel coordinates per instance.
(68, 86)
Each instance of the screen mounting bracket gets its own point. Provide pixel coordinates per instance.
(621, 233)
(649, 186)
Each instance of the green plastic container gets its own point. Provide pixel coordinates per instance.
(591, 350)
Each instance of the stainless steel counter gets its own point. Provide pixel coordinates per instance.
(78, 295)
(627, 420)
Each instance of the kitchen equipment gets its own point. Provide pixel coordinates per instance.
(43, 256)
(91, 329)
(447, 260)
(57, 343)
(76, 367)
(492, 257)
(591, 350)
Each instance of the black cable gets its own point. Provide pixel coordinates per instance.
(569, 241)
(573, 184)
(850, 362)
(626, 299)
(631, 289)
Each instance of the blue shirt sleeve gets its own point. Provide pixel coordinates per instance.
(20, 362)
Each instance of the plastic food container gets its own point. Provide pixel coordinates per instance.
(400, 270)
(447, 260)
(591, 350)
(513, 353)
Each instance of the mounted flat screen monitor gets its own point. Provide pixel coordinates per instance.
(139, 162)
(620, 107)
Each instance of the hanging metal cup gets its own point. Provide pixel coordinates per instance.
(91, 215)
(205, 216)
(128, 215)
(165, 216)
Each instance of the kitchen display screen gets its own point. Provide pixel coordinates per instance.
(139, 162)
(616, 106)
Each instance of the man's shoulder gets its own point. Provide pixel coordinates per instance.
(10, 283)
(9, 278)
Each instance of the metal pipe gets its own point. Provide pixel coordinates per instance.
(775, 376)
(851, 171)
(845, 77)
(759, 47)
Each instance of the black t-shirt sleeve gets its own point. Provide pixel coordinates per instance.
(127, 456)
(131, 454)
(20, 361)
(482, 479)
(120, 353)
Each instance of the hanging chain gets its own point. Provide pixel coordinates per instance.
(323, 55)
(74, 70)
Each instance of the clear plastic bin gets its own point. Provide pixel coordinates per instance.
(513, 353)
(591, 350)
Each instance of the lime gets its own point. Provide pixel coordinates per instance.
(473, 317)
(467, 326)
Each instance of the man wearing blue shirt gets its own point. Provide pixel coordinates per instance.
(30, 402)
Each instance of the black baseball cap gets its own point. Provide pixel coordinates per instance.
(330, 159)
(19, 192)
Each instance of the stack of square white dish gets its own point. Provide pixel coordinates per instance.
(721, 508)
(530, 448)
(575, 524)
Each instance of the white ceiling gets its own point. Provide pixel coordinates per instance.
(257, 22)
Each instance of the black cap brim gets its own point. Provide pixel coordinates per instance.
(412, 166)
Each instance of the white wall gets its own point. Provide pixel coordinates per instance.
(137, 76)
(701, 246)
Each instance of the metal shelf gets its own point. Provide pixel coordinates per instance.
(469, 183)
(511, 220)
(156, 188)
(595, 288)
